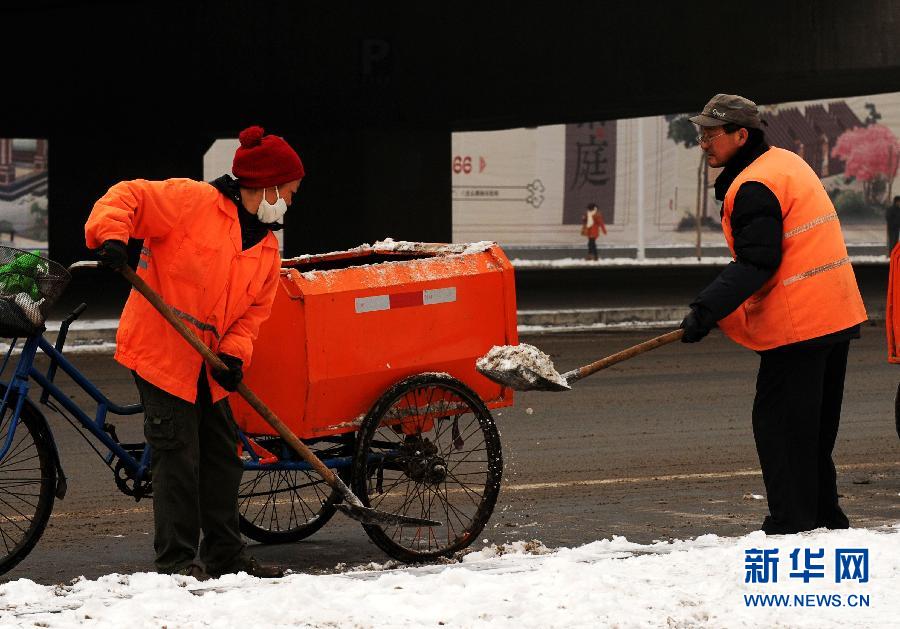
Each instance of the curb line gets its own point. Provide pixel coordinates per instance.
(100, 335)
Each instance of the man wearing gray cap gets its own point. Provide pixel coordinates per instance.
(790, 295)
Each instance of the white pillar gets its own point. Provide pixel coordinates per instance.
(640, 188)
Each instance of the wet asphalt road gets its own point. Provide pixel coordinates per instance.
(655, 448)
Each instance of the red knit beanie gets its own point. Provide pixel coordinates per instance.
(263, 161)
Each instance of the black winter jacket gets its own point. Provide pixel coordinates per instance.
(757, 229)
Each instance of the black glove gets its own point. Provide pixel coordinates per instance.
(693, 327)
(230, 377)
(113, 254)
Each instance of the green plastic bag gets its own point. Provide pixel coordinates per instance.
(20, 275)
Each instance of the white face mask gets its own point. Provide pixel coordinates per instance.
(271, 212)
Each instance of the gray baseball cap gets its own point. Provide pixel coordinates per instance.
(724, 108)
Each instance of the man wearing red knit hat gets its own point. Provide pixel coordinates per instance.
(209, 251)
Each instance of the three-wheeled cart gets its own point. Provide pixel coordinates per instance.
(369, 357)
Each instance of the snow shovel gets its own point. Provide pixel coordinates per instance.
(526, 368)
(355, 508)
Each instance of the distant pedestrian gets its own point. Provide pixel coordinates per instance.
(591, 226)
(892, 217)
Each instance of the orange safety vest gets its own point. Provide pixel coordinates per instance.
(892, 316)
(192, 257)
(813, 292)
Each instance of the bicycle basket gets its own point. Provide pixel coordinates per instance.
(29, 284)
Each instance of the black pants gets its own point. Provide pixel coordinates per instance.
(196, 475)
(796, 415)
(592, 247)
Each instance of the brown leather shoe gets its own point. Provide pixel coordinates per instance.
(194, 570)
(251, 566)
(256, 569)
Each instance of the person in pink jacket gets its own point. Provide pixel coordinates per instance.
(209, 251)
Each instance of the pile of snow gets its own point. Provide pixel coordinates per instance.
(695, 583)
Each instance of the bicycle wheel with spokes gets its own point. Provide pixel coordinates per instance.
(27, 484)
(279, 505)
(428, 449)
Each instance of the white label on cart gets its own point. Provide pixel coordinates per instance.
(371, 304)
(439, 295)
(406, 300)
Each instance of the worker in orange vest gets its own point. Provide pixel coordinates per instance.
(791, 295)
(209, 251)
(892, 322)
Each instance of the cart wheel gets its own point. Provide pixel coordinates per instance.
(27, 485)
(428, 449)
(280, 506)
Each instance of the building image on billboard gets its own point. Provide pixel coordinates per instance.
(529, 187)
(23, 193)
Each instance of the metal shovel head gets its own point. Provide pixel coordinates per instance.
(522, 368)
(522, 379)
(367, 515)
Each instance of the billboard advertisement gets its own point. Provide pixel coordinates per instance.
(528, 187)
(23, 193)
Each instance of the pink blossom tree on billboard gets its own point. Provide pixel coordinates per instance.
(871, 155)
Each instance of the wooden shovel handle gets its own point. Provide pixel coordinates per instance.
(301, 448)
(625, 354)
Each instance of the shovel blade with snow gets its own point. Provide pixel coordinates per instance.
(521, 367)
(526, 368)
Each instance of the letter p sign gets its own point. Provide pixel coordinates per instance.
(376, 59)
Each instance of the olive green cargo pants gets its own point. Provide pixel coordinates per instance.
(196, 475)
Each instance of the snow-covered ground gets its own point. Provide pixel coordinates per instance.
(587, 327)
(573, 263)
(705, 582)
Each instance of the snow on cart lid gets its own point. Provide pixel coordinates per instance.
(402, 246)
(380, 261)
(389, 246)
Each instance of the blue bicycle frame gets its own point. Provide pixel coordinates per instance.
(137, 468)
(19, 385)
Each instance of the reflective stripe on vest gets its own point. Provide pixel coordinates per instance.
(813, 223)
(813, 292)
(815, 271)
(196, 322)
(142, 263)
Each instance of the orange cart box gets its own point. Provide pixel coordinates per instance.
(346, 326)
